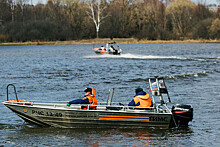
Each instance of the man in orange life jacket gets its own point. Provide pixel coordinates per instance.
(88, 98)
(102, 48)
(141, 99)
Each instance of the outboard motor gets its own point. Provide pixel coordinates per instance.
(182, 114)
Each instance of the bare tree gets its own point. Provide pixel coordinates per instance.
(74, 14)
(12, 4)
(181, 14)
(96, 13)
(22, 5)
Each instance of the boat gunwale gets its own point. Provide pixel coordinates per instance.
(77, 107)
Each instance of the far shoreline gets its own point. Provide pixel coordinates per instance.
(107, 40)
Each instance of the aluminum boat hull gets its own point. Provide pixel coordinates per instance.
(70, 117)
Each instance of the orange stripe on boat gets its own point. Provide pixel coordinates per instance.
(118, 117)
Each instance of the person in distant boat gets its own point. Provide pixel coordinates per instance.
(112, 49)
(89, 98)
(102, 48)
(141, 99)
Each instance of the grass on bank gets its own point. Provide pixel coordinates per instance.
(106, 40)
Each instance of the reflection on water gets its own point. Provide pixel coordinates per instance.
(95, 137)
(61, 72)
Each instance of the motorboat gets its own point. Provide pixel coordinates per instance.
(110, 48)
(105, 114)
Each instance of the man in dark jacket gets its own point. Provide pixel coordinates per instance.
(89, 98)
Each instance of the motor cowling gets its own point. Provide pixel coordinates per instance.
(182, 114)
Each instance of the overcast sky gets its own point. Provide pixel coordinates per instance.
(196, 1)
(207, 1)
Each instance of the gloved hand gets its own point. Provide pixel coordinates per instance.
(67, 104)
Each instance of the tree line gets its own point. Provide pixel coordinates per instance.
(77, 19)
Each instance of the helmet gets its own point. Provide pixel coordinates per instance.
(88, 89)
(137, 90)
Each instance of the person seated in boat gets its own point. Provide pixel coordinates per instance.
(102, 48)
(112, 49)
(89, 98)
(141, 99)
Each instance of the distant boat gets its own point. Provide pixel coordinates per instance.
(110, 48)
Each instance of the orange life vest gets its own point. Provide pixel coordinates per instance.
(92, 99)
(102, 48)
(145, 100)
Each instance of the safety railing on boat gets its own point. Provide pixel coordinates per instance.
(101, 106)
(14, 91)
(88, 107)
(111, 106)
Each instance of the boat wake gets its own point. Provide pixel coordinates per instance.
(184, 75)
(143, 57)
(187, 75)
(177, 76)
(133, 56)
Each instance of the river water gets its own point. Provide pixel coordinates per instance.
(61, 72)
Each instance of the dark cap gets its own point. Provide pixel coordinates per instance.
(137, 90)
(88, 89)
